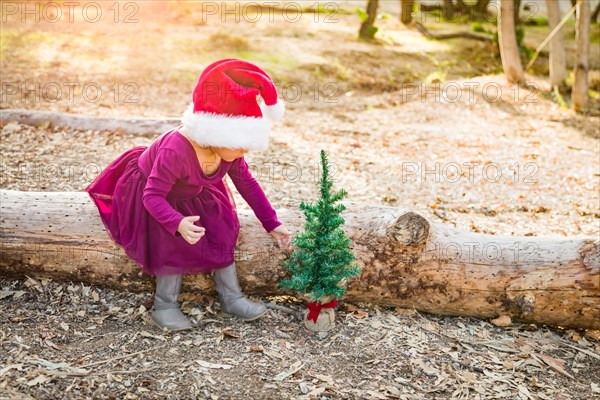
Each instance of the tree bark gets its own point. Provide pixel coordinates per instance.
(595, 14)
(407, 261)
(464, 9)
(367, 28)
(517, 11)
(406, 7)
(558, 60)
(481, 6)
(582, 63)
(448, 9)
(509, 51)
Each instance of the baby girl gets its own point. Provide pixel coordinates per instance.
(168, 204)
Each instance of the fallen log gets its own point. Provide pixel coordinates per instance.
(140, 126)
(407, 261)
(452, 35)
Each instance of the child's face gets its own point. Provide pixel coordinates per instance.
(230, 154)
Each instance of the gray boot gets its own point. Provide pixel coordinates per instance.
(232, 299)
(166, 312)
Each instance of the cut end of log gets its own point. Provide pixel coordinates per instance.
(410, 229)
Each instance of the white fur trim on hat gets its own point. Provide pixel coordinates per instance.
(230, 131)
(274, 112)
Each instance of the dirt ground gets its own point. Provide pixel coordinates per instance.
(492, 158)
(75, 341)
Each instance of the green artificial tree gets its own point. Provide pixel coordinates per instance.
(322, 264)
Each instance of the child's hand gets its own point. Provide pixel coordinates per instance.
(190, 232)
(283, 237)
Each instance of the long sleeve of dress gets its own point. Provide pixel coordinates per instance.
(164, 173)
(253, 194)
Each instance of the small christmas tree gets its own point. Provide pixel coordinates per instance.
(323, 264)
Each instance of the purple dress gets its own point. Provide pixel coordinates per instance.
(143, 195)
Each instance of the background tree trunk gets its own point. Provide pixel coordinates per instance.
(482, 6)
(406, 8)
(558, 60)
(509, 51)
(595, 14)
(448, 9)
(462, 7)
(582, 64)
(517, 11)
(367, 28)
(406, 260)
(594, 17)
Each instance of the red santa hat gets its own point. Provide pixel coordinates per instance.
(225, 112)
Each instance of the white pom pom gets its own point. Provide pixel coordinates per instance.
(274, 112)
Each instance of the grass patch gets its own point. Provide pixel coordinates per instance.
(536, 21)
(559, 98)
(222, 40)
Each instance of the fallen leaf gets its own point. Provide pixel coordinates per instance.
(316, 392)
(524, 391)
(51, 344)
(11, 127)
(207, 364)
(376, 324)
(227, 332)
(376, 395)
(295, 367)
(149, 335)
(576, 336)
(32, 282)
(40, 379)
(325, 378)
(405, 311)
(191, 297)
(4, 370)
(7, 293)
(273, 354)
(303, 387)
(554, 363)
(503, 320)
(350, 307)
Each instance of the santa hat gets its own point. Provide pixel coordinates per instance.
(225, 112)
